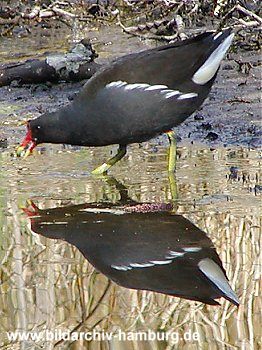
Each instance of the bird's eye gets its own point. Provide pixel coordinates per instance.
(38, 127)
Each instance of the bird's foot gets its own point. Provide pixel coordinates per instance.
(101, 170)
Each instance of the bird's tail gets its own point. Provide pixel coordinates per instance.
(219, 44)
(215, 274)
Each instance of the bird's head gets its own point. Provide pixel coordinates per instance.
(47, 128)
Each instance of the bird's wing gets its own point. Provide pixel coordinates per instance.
(137, 108)
(191, 258)
(192, 62)
(139, 256)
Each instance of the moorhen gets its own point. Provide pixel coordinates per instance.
(135, 98)
(156, 251)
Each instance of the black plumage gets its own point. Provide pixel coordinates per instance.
(155, 251)
(137, 96)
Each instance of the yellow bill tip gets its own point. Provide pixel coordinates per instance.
(23, 151)
(27, 153)
(20, 150)
(22, 122)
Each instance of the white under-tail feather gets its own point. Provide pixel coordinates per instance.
(214, 273)
(207, 71)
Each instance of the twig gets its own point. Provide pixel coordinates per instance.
(4, 21)
(130, 30)
(63, 13)
(180, 27)
(128, 3)
(245, 24)
(31, 15)
(219, 6)
(249, 13)
(46, 14)
(8, 30)
(37, 12)
(238, 100)
(194, 9)
(62, 3)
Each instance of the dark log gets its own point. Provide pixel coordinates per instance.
(78, 64)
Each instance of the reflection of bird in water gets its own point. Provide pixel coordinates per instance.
(153, 250)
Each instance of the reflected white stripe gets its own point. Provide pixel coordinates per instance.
(53, 222)
(103, 210)
(121, 268)
(175, 254)
(191, 249)
(142, 265)
(161, 262)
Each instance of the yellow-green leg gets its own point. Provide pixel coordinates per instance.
(172, 166)
(102, 169)
(173, 189)
(121, 189)
(172, 152)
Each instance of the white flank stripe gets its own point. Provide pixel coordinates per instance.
(209, 68)
(171, 94)
(156, 87)
(117, 83)
(164, 90)
(185, 96)
(135, 86)
(217, 36)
